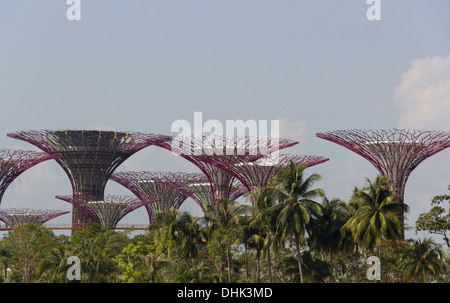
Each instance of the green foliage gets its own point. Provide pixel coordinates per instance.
(374, 219)
(27, 247)
(437, 220)
(286, 237)
(296, 211)
(423, 259)
(97, 249)
(141, 263)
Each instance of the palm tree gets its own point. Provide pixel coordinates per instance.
(348, 239)
(257, 242)
(226, 215)
(264, 223)
(422, 259)
(262, 198)
(244, 235)
(327, 236)
(375, 217)
(54, 265)
(315, 270)
(193, 236)
(175, 228)
(296, 209)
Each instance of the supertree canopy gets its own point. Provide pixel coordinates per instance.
(14, 162)
(14, 217)
(394, 152)
(88, 157)
(204, 193)
(258, 173)
(109, 211)
(207, 151)
(170, 188)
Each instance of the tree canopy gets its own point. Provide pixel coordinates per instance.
(293, 233)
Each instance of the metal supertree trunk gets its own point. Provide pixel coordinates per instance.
(109, 211)
(88, 157)
(394, 152)
(14, 217)
(170, 188)
(205, 151)
(14, 162)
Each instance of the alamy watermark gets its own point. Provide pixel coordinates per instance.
(374, 11)
(249, 137)
(73, 12)
(374, 271)
(74, 271)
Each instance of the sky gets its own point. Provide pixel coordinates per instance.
(141, 65)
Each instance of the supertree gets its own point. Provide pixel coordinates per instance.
(88, 157)
(394, 152)
(170, 188)
(204, 193)
(109, 211)
(206, 151)
(258, 173)
(14, 217)
(14, 162)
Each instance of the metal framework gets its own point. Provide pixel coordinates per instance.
(109, 211)
(170, 188)
(88, 157)
(14, 162)
(394, 152)
(205, 193)
(258, 173)
(14, 217)
(206, 151)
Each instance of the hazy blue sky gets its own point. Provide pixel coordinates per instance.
(140, 65)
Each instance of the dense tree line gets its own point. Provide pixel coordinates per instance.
(292, 233)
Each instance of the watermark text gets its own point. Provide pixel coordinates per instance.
(74, 271)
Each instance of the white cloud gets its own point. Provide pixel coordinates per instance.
(423, 96)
